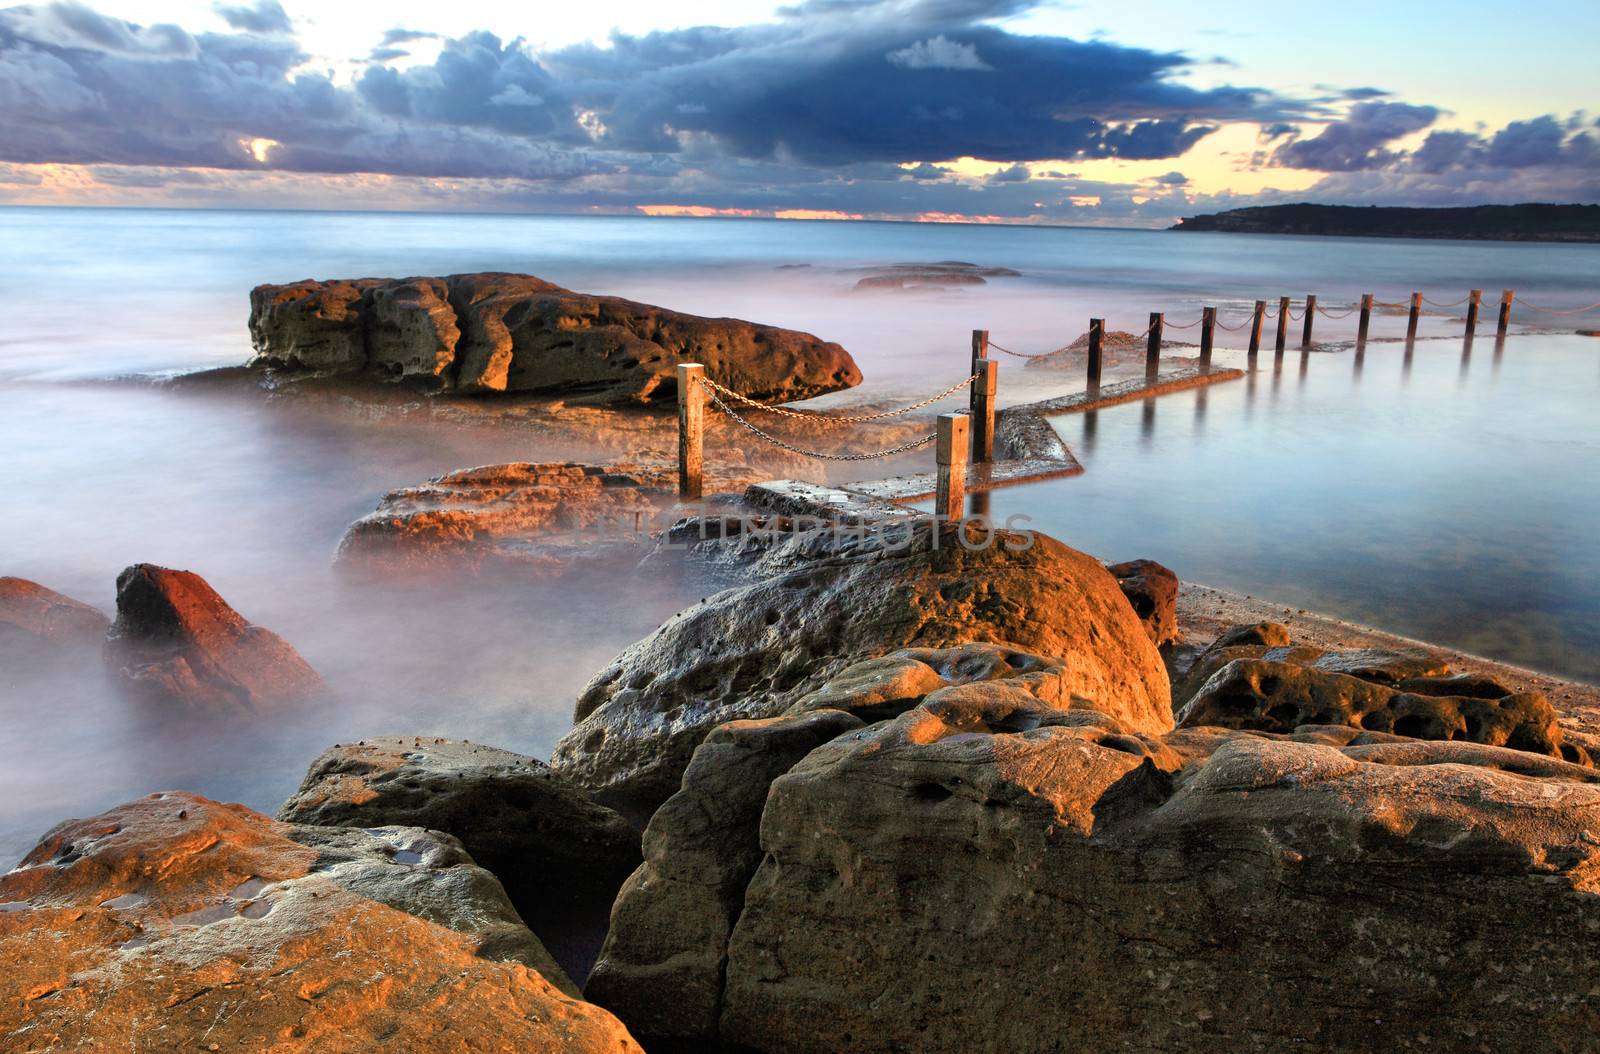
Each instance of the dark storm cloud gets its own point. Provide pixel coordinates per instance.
(900, 82)
(265, 16)
(476, 82)
(1358, 141)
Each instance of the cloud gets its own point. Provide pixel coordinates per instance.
(938, 53)
(1017, 173)
(1359, 141)
(265, 16)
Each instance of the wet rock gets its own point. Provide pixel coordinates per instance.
(1265, 634)
(174, 922)
(1263, 640)
(662, 965)
(1280, 696)
(560, 856)
(176, 642)
(950, 274)
(926, 877)
(535, 516)
(1153, 591)
(39, 623)
(497, 332)
(754, 650)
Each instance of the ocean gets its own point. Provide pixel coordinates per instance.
(1449, 494)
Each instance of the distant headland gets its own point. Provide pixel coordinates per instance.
(1529, 222)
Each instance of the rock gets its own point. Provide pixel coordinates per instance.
(177, 923)
(516, 333)
(560, 856)
(752, 651)
(1383, 667)
(943, 884)
(38, 622)
(661, 968)
(411, 329)
(309, 325)
(1265, 634)
(945, 275)
(1153, 592)
(176, 642)
(1280, 696)
(532, 516)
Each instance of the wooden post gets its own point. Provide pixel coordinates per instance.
(1311, 316)
(1208, 332)
(1283, 328)
(1416, 313)
(1366, 318)
(691, 429)
(980, 347)
(987, 377)
(1255, 327)
(1097, 331)
(1474, 298)
(1152, 347)
(1506, 297)
(951, 455)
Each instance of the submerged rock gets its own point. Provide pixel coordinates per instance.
(498, 332)
(174, 922)
(754, 650)
(560, 856)
(36, 622)
(176, 642)
(534, 516)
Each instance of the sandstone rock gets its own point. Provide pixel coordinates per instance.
(942, 884)
(509, 332)
(1280, 696)
(411, 329)
(534, 516)
(752, 651)
(38, 622)
(560, 856)
(309, 325)
(1383, 667)
(1153, 592)
(662, 965)
(1266, 634)
(176, 642)
(177, 923)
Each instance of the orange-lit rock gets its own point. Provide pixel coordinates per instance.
(176, 642)
(177, 923)
(38, 622)
(754, 650)
(497, 332)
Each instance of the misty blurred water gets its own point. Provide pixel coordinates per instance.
(1448, 499)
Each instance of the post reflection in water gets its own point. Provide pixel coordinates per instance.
(1466, 356)
(1090, 421)
(978, 504)
(1407, 360)
(1147, 422)
(1498, 359)
(1200, 398)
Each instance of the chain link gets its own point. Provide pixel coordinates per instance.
(1325, 313)
(853, 419)
(1453, 303)
(1555, 311)
(903, 448)
(1029, 355)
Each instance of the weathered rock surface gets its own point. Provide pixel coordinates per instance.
(1153, 591)
(176, 642)
(752, 651)
(662, 965)
(534, 516)
(39, 622)
(516, 333)
(1281, 696)
(560, 856)
(177, 923)
(957, 881)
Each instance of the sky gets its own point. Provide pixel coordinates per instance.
(1128, 113)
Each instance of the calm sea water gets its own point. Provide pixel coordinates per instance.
(1448, 498)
